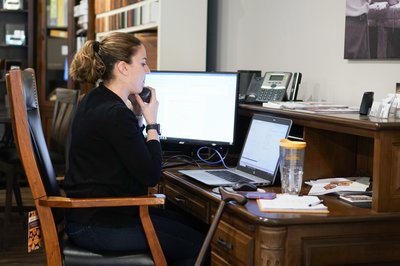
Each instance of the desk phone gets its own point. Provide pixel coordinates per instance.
(271, 87)
(274, 86)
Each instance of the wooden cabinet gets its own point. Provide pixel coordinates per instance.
(173, 31)
(17, 45)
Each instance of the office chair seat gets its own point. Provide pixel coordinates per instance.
(76, 256)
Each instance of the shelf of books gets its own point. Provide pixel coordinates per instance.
(138, 17)
(81, 16)
(158, 24)
(126, 16)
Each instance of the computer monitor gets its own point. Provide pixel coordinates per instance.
(196, 108)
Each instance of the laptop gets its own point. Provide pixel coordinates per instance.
(259, 160)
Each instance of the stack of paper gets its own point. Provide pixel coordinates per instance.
(339, 184)
(292, 203)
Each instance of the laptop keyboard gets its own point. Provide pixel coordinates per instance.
(229, 176)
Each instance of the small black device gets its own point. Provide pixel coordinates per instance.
(366, 102)
(244, 186)
(145, 94)
(295, 86)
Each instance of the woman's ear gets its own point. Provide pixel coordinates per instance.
(122, 68)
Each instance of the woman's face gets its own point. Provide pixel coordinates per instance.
(138, 70)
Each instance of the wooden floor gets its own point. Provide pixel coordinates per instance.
(16, 253)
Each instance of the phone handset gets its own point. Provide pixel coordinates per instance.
(254, 88)
(145, 94)
(295, 86)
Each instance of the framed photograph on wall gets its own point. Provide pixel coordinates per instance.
(372, 29)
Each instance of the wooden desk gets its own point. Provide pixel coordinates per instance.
(246, 236)
(348, 145)
(337, 145)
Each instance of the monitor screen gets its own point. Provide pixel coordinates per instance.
(197, 108)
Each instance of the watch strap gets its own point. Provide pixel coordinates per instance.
(154, 126)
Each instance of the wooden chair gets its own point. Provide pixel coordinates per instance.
(64, 110)
(32, 148)
(63, 114)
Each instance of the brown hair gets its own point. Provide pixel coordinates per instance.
(96, 60)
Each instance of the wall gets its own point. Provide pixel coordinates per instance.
(305, 36)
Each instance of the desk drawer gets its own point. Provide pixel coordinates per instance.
(235, 246)
(217, 260)
(191, 203)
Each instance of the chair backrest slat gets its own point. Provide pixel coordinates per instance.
(63, 114)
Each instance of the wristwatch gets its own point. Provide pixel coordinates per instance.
(154, 126)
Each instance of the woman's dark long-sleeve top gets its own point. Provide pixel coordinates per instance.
(109, 157)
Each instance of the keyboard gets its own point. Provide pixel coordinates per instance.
(229, 176)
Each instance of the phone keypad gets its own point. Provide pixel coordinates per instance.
(271, 95)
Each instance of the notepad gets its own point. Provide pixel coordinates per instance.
(292, 203)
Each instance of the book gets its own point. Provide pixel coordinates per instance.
(59, 33)
(338, 184)
(292, 203)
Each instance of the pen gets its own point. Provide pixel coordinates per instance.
(315, 203)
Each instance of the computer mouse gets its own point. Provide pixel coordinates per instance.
(244, 186)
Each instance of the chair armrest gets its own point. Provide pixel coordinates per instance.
(64, 202)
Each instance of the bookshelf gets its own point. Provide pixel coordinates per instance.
(57, 33)
(81, 13)
(17, 44)
(173, 31)
(52, 51)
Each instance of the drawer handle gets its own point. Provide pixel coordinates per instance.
(224, 244)
(180, 200)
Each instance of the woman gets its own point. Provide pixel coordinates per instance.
(109, 156)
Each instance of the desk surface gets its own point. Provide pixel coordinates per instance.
(350, 120)
(339, 211)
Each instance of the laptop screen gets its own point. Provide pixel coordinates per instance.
(260, 153)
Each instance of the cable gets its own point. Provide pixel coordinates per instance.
(185, 159)
(215, 152)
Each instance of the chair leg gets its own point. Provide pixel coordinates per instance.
(7, 209)
(17, 195)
